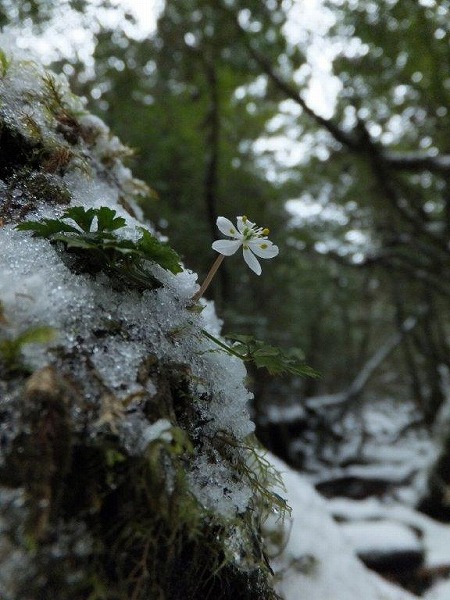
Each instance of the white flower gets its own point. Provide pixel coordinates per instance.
(252, 239)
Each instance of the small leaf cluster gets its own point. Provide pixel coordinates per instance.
(276, 360)
(4, 63)
(11, 347)
(93, 239)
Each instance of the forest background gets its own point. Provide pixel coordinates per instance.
(330, 126)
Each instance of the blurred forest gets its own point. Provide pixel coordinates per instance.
(228, 115)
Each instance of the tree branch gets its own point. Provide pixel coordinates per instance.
(340, 135)
(388, 261)
(418, 161)
(358, 384)
(406, 161)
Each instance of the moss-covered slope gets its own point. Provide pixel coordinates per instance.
(127, 464)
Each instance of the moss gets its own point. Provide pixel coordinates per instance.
(11, 360)
(93, 518)
(17, 151)
(27, 189)
(150, 538)
(29, 169)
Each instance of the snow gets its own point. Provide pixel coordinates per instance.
(37, 287)
(378, 444)
(440, 591)
(316, 561)
(381, 536)
(435, 536)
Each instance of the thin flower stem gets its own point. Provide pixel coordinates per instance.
(196, 297)
(225, 347)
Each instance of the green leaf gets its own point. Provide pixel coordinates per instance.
(115, 256)
(262, 355)
(121, 246)
(37, 335)
(47, 227)
(152, 249)
(4, 63)
(79, 241)
(107, 221)
(240, 337)
(277, 362)
(81, 216)
(10, 349)
(267, 351)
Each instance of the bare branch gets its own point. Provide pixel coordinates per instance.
(389, 261)
(290, 90)
(406, 161)
(418, 161)
(361, 380)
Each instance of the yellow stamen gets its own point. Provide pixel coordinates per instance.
(265, 231)
(263, 246)
(244, 219)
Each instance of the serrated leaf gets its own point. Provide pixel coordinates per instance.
(110, 252)
(81, 216)
(107, 220)
(47, 227)
(152, 249)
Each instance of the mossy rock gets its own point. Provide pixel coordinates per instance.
(128, 469)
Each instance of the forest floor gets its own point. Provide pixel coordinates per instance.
(372, 473)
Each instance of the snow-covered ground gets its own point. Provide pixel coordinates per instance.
(317, 561)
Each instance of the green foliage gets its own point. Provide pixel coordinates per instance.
(4, 63)
(150, 247)
(11, 347)
(275, 360)
(101, 248)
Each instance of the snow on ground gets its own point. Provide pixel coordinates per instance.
(317, 562)
(385, 535)
(440, 591)
(380, 440)
(435, 536)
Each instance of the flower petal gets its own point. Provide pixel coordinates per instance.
(252, 261)
(263, 248)
(226, 247)
(226, 227)
(244, 225)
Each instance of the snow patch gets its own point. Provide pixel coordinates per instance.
(316, 561)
